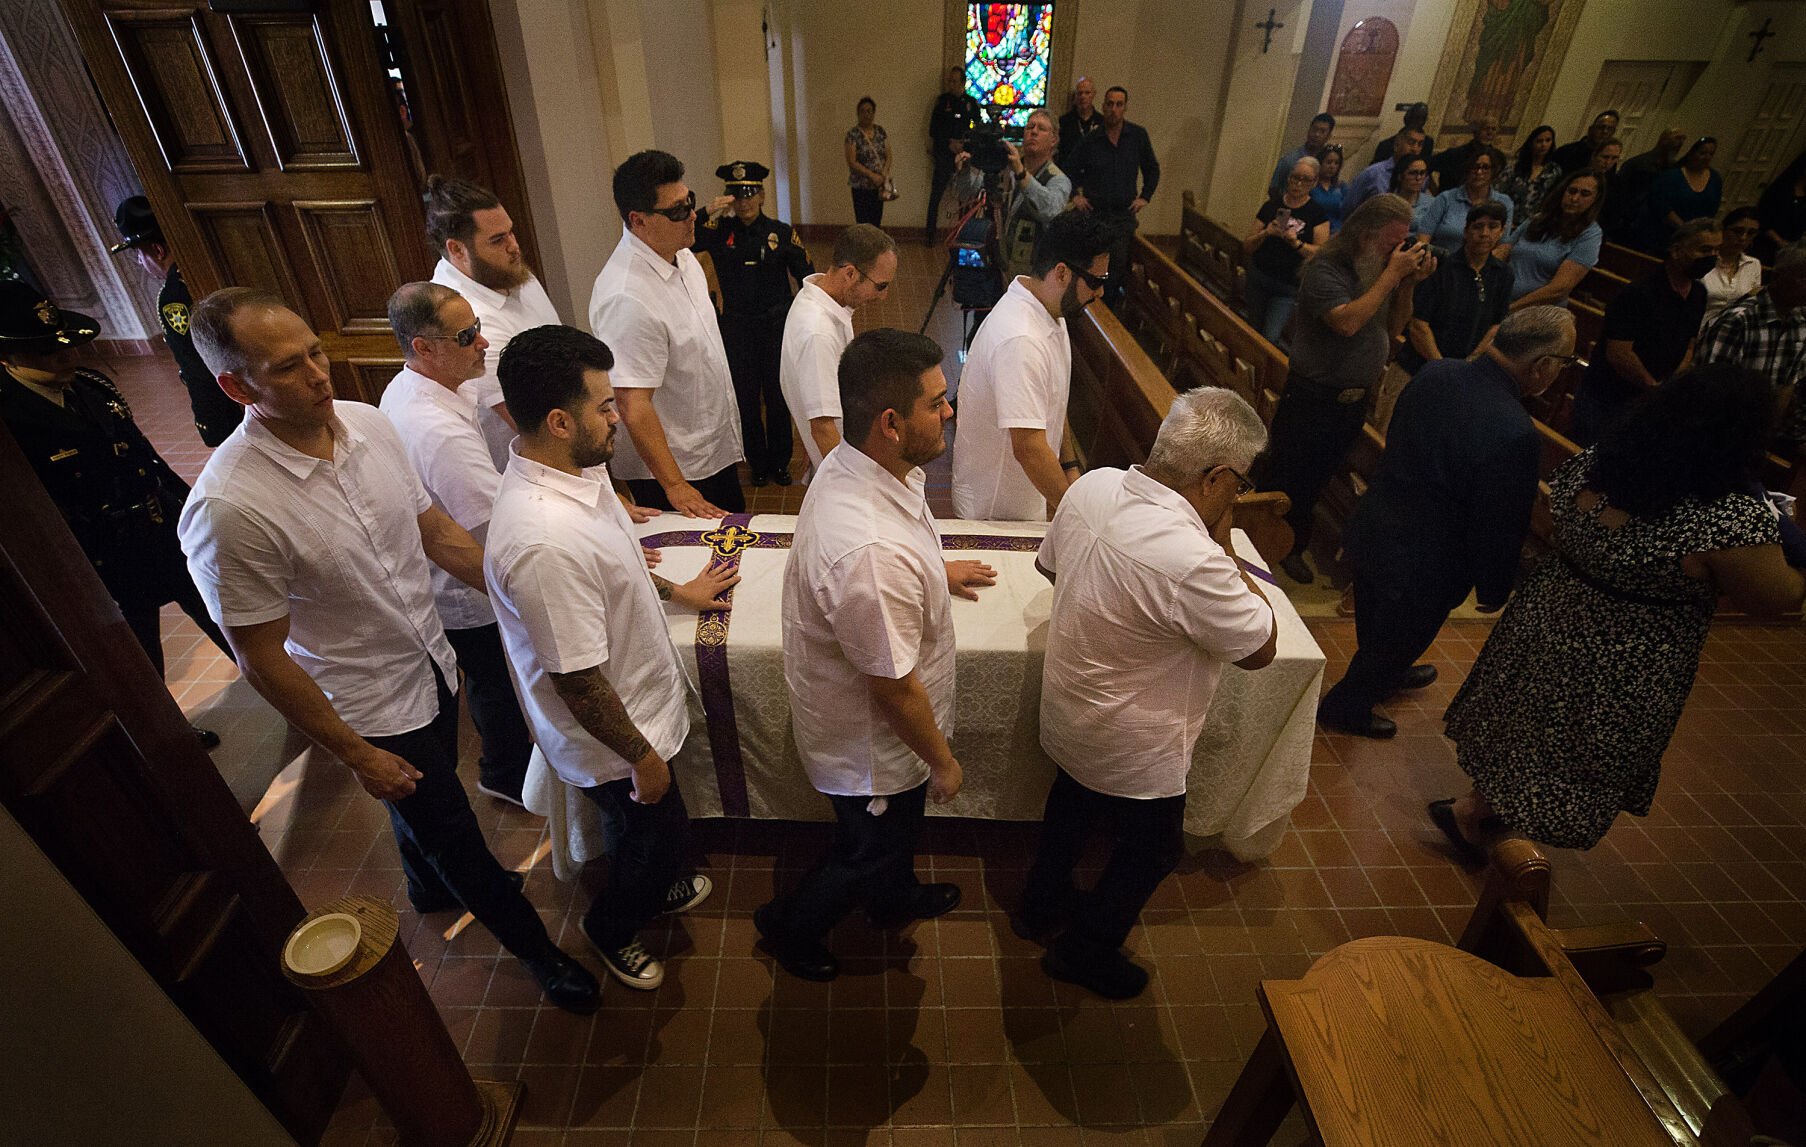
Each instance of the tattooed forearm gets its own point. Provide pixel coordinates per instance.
(597, 707)
(663, 587)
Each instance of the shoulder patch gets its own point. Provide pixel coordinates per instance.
(175, 317)
(798, 239)
(711, 222)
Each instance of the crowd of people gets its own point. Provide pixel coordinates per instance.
(365, 566)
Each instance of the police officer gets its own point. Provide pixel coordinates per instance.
(755, 259)
(215, 415)
(119, 497)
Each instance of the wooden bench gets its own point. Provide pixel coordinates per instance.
(1212, 253)
(1202, 341)
(1626, 262)
(1598, 288)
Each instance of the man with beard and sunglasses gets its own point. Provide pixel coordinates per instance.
(868, 652)
(587, 640)
(1012, 393)
(480, 258)
(651, 306)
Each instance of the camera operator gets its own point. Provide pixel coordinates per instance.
(1039, 190)
(1354, 298)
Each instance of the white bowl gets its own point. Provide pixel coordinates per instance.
(323, 945)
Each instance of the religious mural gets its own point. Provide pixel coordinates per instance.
(1501, 60)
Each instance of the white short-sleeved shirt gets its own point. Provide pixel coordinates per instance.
(335, 547)
(571, 592)
(657, 319)
(1147, 608)
(816, 331)
(438, 428)
(503, 315)
(865, 595)
(1017, 375)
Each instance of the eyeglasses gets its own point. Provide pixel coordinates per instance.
(876, 285)
(1741, 232)
(677, 212)
(464, 337)
(1566, 360)
(1095, 282)
(1301, 177)
(1243, 484)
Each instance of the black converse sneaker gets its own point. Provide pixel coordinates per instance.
(633, 965)
(686, 892)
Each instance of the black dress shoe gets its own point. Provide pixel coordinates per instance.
(804, 959)
(782, 477)
(759, 479)
(1298, 569)
(565, 982)
(925, 902)
(207, 737)
(1368, 724)
(1111, 975)
(1417, 677)
(1442, 815)
(448, 902)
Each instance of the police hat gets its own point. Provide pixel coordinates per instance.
(744, 180)
(32, 323)
(136, 224)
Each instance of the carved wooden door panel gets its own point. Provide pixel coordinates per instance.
(100, 767)
(1770, 140)
(272, 152)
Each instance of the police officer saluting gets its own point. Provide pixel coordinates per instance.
(119, 497)
(215, 415)
(755, 259)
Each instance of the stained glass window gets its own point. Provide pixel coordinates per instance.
(1008, 49)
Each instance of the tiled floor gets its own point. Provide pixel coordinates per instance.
(952, 1033)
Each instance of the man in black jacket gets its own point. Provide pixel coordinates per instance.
(119, 497)
(955, 113)
(1105, 171)
(1448, 510)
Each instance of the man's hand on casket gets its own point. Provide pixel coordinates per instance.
(700, 592)
(964, 576)
(637, 512)
(944, 781)
(651, 779)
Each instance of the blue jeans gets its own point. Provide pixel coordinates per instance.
(1270, 304)
(648, 857)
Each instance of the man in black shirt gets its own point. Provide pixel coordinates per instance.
(955, 113)
(1104, 171)
(1417, 118)
(215, 415)
(755, 259)
(1457, 308)
(1624, 203)
(1649, 330)
(1450, 168)
(1079, 122)
(1579, 154)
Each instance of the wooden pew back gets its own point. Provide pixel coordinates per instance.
(1599, 288)
(1212, 253)
(1627, 262)
(1206, 342)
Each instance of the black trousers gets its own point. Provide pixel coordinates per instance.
(721, 489)
(648, 857)
(146, 621)
(937, 186)
(494, 709)
(1311, 435)
(1147, 840)
(871, 863)
(755, 347)
(1393, 628)
(1122, 224)
(868, 206)
(442, 847)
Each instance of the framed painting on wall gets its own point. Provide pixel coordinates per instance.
(1501, 60)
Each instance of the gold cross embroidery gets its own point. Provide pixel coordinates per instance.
(729, 541)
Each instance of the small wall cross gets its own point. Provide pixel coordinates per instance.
(1271, 25)
(1759, 35)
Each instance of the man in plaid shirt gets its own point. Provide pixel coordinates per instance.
(1766, 333)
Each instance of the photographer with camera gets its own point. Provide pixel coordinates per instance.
(1038, 193)
(1354, 298)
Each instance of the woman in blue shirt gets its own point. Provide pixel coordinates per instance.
(1445, 220)
(1690, 191)
(1550, 252)
(1330, 185)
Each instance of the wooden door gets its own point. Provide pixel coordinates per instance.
(1641, 92)
(102, 770)
(1774, 135)
(272, 151)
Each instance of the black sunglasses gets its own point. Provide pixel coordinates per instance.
(677, 212)
(1095, 282)
(464, 337)
(1243, 484)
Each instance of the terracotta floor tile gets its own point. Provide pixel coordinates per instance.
(606, 1096)
(981, 1095)
(669, 1097)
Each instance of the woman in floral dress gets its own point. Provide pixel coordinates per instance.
(1564, 718)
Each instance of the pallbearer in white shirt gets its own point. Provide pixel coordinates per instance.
(480, 258)
(437, 421)
(1012, 392)
(651, 306)
(868, 651)
(1149, 604)
(586, 635)
(308, 534)
(820, 325)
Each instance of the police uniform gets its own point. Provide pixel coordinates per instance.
(119, 497)
(754, 263)
(215, 415)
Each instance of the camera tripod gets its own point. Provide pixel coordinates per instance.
(985, 210)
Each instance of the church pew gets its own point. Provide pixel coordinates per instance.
(1118, 400)
(1211, 253)
(1207, 342)
(1599, 287)
(1627, 262)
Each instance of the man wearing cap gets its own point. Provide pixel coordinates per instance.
(119, 497)
(215, 415)
(755, 259)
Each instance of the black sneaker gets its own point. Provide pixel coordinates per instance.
(686, 892)
(565, 982)
(1111, 975)
(632, 965)
(510, 793)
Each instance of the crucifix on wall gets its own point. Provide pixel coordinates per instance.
(1759, 35)
(1270, 25)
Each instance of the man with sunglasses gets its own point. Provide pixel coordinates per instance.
(443, 340)
(1012, 393)
(1447, 512)
(672, 383)
(1149, 603)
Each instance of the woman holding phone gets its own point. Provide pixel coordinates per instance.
(1288, 229)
